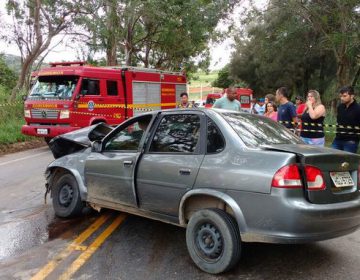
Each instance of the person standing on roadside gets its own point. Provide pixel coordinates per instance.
(300, 106)
(269, 98)
(312, 120)
(184, 103)
(260, 107)
(229, 101)
(348, 114)
(271, 111)
(286, 110)
(253, 105)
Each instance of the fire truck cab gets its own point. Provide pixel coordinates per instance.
(71, 95)
(211, 98)
(244, 95)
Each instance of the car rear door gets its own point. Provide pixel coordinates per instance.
(171, 162)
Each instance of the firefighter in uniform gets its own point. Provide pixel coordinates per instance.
(184, 103)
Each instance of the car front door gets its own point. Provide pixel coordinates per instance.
(109, 174)
(171, 162)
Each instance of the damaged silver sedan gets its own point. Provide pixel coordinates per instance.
(227, 177)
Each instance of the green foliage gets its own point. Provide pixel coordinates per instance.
(166, 34)
(34, 25)
(7, 76)
(13, 62)
(224, 79)
(202, 78)
(297, 44)
(11, 119)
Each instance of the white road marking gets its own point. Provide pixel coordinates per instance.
(23, 158)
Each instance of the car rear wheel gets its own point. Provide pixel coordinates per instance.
(213, 240)
(66, 197)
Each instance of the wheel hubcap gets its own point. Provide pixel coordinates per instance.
(66, 195)
(209, 241)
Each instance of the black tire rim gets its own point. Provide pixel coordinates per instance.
(209, 242)
(66, 195)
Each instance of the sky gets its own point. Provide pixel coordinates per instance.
(220, 53)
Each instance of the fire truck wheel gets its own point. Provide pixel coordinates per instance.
(66, 197)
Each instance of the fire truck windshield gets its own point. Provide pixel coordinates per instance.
(54, 87)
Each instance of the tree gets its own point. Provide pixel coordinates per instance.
(223, 80)
(338, 23)
(301, 44)
(35, 24)
(162, 34)
(7, 76)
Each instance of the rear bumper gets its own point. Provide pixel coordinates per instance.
(52, 131)
(286, 217)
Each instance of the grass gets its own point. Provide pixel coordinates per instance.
(11, 119)
(201, 82)
(202, 78)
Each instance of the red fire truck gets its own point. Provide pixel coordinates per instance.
(244, 95)
(71, 95)
(211, 98)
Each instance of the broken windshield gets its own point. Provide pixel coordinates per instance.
(54, 87)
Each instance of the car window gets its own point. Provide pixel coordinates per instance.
(90, 87)
(112, 88)
(255, 130)
(128, 138)
(215, 140)
(177, 134)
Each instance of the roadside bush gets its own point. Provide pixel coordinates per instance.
(7, 76)
(11, 119)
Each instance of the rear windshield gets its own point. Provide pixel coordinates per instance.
(54, 87)
(255, 130)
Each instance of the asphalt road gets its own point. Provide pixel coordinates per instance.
(34, 244)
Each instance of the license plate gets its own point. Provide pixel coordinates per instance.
(342, 179)
(42, 131)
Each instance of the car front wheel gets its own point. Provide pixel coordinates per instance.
(213, 240)
(66, 197)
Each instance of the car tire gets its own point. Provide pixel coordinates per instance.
(66, 197)
(213, 240)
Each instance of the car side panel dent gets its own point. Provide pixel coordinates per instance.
(230, 202)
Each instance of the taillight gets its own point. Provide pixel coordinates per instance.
(314, 178)
(287, 176)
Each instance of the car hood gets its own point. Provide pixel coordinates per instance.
(78, 140)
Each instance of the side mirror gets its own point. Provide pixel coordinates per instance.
(96, 146)
(24, 97)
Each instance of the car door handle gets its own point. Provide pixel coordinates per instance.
(128, 162)
(185, 171)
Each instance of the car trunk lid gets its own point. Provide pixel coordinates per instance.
(339, 170)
